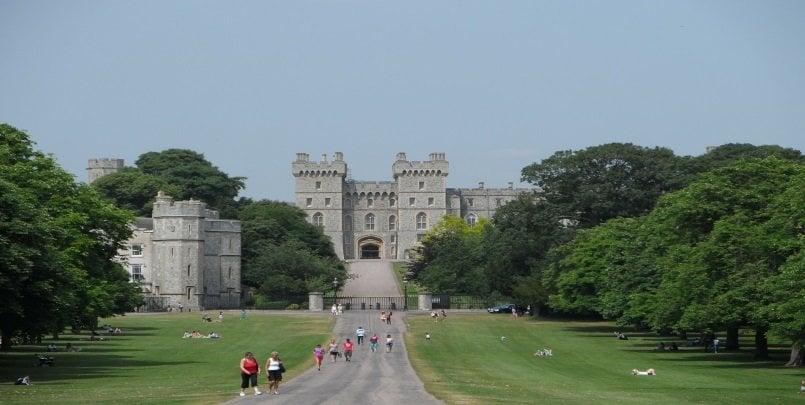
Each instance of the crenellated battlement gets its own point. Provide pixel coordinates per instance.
(304, 167)
(437, 165)
(97, 168)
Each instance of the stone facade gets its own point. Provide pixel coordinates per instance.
(184, 254)
(386, 219)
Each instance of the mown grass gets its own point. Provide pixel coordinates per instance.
(467, 362)
(151, 363)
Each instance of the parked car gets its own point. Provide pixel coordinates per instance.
(501, 309)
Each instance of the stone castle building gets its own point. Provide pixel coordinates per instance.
(183, 255)
(386, 219)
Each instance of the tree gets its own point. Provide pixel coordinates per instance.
(517, 244)
(720, 249)
(183, 173)
(613, 180)
(58, 241)
(285, 256)
(449, 258)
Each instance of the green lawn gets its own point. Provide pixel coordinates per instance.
(152, 363)
(467, 362)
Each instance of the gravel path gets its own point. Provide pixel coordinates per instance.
(378, 377)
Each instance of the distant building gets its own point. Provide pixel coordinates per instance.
(183, 255)
(386, 219)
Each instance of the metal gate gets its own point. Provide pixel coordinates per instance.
(373, 303)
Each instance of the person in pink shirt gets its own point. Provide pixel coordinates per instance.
(348, 350)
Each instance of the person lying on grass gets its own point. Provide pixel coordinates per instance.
(647, 372)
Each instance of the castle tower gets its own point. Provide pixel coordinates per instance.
(319, 191)
(422, 199)
(178, 240)
(98, 168)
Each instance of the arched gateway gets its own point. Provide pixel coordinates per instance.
(370, 247)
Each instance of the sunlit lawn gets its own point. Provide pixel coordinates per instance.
(151, 363)
(468, 362)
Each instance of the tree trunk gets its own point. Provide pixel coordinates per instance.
(796, 356)
(732, 339)
(761, 343)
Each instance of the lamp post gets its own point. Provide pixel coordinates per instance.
(405, 294)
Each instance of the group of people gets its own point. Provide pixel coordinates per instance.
(348, 347)
(250, 371)
(198, 335)
(438, 316)
(385, 317)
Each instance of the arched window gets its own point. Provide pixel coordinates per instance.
(348, 223)
(392, 223)
(472, 219)
(421, 221)
(318, 219)
(370, 222)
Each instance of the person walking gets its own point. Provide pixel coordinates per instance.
(333, 349)
(318, 356)
(348, 350)
(389, 343)
(373, 342)
(274, 371)
(249, 370)
(360, 332)
(388, 318)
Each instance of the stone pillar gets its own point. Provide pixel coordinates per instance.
(316, 301)
(425, 303)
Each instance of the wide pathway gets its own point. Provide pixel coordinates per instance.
(378, 377)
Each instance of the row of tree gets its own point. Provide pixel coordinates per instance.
(645, 238)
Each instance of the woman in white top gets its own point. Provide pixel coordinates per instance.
(273, 369)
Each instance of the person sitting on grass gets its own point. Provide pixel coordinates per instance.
(647, 372)
(24, 380)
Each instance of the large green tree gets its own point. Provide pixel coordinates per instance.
(285, 256)
(58, 241)
(184, 174)
(613, 180)
(450, 260)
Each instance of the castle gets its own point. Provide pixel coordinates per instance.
(184, 256)
(387, 219)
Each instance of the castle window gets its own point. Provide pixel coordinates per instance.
(370, 222)
(327, 202)
(412, 201)
(318, 185)
(370, 202)
(136, 250)
(470, 202)
(189, 292)
(347, 223)
(392, 202)
(393, 238)
(308, 202)
(348, 203)
(392, 223)
(318, 219)
(229, 272)
(188, 270)
(421, 221)
(472, 219)
(498, 202)
(421, 185)
(430, 201)
(137, 272)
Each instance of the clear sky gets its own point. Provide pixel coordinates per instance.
(496, 85)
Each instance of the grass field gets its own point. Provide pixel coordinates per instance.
(151, 363)
(466, 362)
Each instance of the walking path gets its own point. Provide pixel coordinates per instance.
(377, 377)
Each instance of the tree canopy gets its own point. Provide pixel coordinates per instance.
(58, 241)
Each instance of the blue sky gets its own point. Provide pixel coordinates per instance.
(496, 85)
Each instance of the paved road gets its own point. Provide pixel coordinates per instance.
(378, 377)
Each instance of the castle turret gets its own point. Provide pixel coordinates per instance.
(319, 192)
(97, 168)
